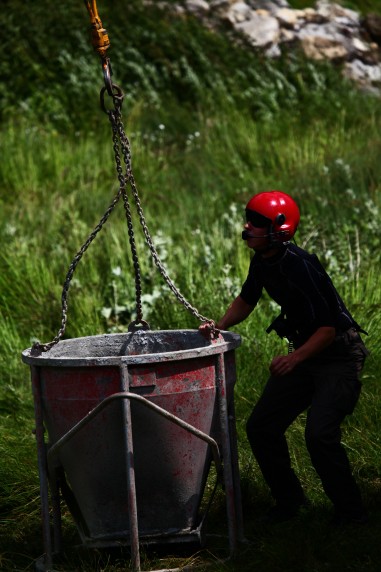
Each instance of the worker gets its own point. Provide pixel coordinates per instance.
(320, 374)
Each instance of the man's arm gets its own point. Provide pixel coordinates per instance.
(238, 311)
(321, 339)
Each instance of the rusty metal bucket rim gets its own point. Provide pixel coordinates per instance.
(230, 342)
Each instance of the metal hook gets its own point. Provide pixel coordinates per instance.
(101, 43)
(92, 9)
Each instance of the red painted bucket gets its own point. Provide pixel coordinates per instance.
(176, 370)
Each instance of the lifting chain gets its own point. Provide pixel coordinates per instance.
(65, 291)
(121, 146)
(118, 128)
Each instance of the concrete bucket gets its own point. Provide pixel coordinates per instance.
(133, 421)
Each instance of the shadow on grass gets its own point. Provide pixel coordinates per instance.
(308, 543)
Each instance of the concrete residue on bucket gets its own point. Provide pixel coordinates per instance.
(153, 345)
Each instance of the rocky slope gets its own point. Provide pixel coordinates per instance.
(327, 31)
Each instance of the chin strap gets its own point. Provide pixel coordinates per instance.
(277, 242)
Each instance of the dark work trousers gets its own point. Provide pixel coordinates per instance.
(328, 387)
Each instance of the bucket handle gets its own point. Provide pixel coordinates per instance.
(163, 412)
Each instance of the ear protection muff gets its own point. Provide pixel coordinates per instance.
(280, 219)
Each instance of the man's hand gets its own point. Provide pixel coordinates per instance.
(208, 330)
(322, 338)
(282, 365)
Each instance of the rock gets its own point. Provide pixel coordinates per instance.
(288, 17)
(220, 4)
(320, 48)
(269, 5)
(360, 46)
(310, 15)
(262, 30)
(372, 25)
(327, 31)
(331, 11)
(287, 35)
(238, 12)
(363, 73)
(197, 6)
(273, 51)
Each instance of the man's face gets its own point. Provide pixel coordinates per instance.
(257, 236)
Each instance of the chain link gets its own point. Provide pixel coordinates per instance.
(121, 145)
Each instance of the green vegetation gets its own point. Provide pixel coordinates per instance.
(363, 7)
(209, 125)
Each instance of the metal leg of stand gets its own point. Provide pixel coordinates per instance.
(56, 505)
(132, 505)
(236, 475)
(226, 454)
(42, 468)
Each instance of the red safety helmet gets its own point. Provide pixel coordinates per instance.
(276, 210)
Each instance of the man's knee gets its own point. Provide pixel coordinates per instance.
(318, 436)
(258, 432)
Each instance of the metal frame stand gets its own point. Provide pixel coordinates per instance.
(48, 477)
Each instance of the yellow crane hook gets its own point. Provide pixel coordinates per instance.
(100, 41)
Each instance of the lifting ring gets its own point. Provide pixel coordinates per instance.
(116, 94)
(134, 326)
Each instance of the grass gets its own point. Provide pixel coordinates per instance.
(363, 7)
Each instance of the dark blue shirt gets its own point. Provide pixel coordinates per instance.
(297, 281)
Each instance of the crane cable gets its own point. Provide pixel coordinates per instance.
(122, 147)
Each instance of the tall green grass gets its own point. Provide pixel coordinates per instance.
(194, 177)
